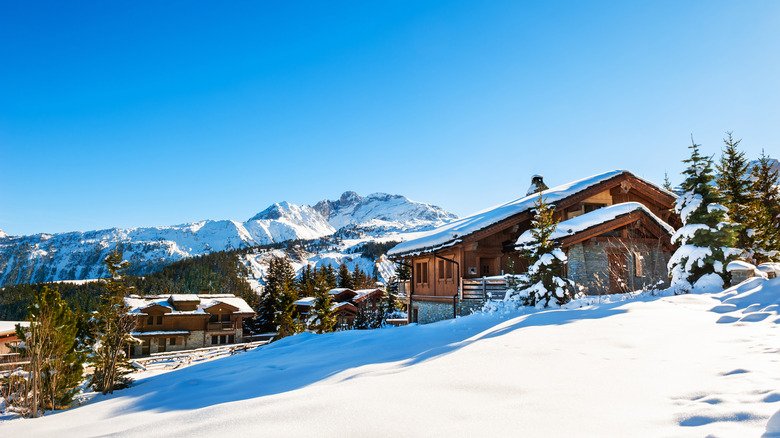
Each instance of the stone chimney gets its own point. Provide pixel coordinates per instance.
(537, 185)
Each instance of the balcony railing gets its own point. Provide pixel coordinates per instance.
(484, 289)
(221, 326)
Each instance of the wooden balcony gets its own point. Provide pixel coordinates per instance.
(486, 288)
(221, 326)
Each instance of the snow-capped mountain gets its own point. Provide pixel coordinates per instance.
(384, 211)
(79, 255)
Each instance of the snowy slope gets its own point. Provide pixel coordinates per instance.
(79, 255)
(683, 366)
(3, 234)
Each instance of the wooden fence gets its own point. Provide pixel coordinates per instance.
(176, 359)
(484, 289)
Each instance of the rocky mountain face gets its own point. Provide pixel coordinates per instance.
(80, 255)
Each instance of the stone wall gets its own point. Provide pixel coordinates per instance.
(429, 312)
(588, 265)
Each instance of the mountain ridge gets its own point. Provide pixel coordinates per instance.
(79, 255)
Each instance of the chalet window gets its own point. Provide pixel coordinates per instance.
(159, 320)
(225, 317)
(222, 339)
(449, 269)
(214, 318)
(214, 340)
(150, 320)
(441, 269)
(161, 345)
(172, 341)
(231, 339)
(422, 272)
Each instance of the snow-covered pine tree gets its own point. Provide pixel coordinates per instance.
(764, 217)
(707, 237)
(734, 187)
(322, 319)
(541, 283)
(113, 326)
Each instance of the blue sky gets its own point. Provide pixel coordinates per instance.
(158, 113)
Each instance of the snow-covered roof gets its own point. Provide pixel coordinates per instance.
(360, 293)
(137, 303)
(769, 267)
(596, 217)
(451, 233)
(307, 301)
(10, 326)
(161, 333)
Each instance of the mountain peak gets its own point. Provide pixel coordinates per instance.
(349, 197)
(274, 211)
(3, 234)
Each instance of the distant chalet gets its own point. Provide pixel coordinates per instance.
(615, 228)
(346, 303)
(186, 321)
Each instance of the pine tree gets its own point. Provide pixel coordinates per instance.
(667, 182)
(322, 319)
(541, 283)
(330, 277)
(113, 325)
(362, 319)
(285, 317)
(50, 343)
(734, 187)
(707, 236)
(764, 220)
(345, 277)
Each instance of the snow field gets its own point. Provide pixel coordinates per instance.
(688, 365)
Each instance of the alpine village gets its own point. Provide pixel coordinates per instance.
(587, 302)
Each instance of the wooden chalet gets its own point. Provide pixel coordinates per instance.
(345, 304)
(8, 338)
(457, 266)
(186, 321)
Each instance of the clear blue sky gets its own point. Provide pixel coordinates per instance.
(158, 113)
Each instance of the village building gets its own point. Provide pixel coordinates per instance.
(345, 304)
(614, 227)
(186, 321)
(8, 338)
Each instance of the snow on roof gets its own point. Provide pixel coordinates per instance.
(451, 233)
(769, 267)
(161, 333)
(10, 326)
(360, 293)
(138, 303)
(596, 217)
(339, 290)
(307, 301)
(187, 298)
